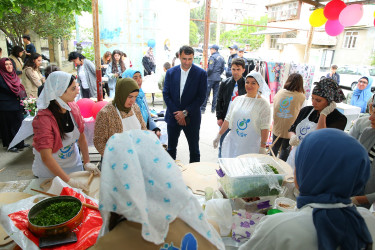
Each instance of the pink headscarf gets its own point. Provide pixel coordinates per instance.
(11, 79)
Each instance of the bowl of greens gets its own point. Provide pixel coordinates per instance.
(55, 215)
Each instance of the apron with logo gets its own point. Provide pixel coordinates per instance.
(302, 129)
(67, 157)
(244, 137)
(130, 122)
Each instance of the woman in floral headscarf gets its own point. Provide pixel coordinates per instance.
(322, 114)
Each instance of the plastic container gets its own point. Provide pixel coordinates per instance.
(285, 204)
(241, 177)
(259, 206)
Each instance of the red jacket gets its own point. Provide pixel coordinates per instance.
(46, 130)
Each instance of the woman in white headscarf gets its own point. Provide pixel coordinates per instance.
(144, 202)
(249, 118)
(57, 129)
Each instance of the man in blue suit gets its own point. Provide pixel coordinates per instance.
(184, 92)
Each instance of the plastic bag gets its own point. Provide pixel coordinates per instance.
(244, 224)
(220, 211)
(13, 217)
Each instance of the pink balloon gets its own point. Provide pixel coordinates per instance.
(333, 9)
(97, 107)
(85, 105)
(334, 27)
(351, 15)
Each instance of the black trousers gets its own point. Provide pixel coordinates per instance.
(10, 123)
(105, 89)
(192, 135)
(285, 147)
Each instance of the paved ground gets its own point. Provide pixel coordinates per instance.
(17, 166)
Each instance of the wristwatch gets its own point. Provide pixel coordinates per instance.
(185, 113)
(263, 143)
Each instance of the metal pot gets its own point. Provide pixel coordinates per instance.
(64, 227)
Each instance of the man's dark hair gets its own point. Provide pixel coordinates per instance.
(16, 51)
(27, 37)
(73, 55)
(239, 62)
(334, 67)
(167, 65)
(1, 50)
(187, 50)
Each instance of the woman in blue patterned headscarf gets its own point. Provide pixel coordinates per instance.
(362, 93)
(331, 167)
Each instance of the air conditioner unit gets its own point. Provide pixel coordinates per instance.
(279, 46)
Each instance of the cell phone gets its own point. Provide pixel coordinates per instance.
(57, 240)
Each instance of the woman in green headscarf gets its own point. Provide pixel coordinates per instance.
(120, 115)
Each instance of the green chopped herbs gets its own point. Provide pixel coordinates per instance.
(273, 169)
(56, 213)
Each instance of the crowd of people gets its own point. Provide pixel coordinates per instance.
(307, 137)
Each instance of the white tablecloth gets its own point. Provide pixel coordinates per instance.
(26, 130)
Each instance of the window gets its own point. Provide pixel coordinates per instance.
(350, 39)
(285, 11)
(273, 41)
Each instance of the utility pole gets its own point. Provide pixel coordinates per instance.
(308, 45)
(95, 19)
(206, 33)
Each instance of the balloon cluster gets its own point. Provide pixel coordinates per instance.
(336, 15)
(90, 108)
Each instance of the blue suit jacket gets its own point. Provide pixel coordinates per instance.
(192, 97)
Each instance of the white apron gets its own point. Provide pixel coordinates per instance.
(303, 128)
(130, 122)
(244, 137)
(67, 157)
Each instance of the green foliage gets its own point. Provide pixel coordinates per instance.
(89, 53)
(46, 18)
(193, 34)
(372, 59)
(242, 34)
(57, 7)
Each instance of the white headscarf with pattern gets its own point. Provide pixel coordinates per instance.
(141, 182)
(54, 87)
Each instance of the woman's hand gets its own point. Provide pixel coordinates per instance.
(90, 167)
(217, 140)
(360, 200)
(294, 141)
(329, 109)
(262, 151)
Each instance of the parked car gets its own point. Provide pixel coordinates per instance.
(349, 75)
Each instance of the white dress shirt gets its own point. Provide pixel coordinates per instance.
(184, 75)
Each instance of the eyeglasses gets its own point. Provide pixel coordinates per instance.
(364, 82)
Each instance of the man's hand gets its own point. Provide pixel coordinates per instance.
(220, 122)
(180, 118)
